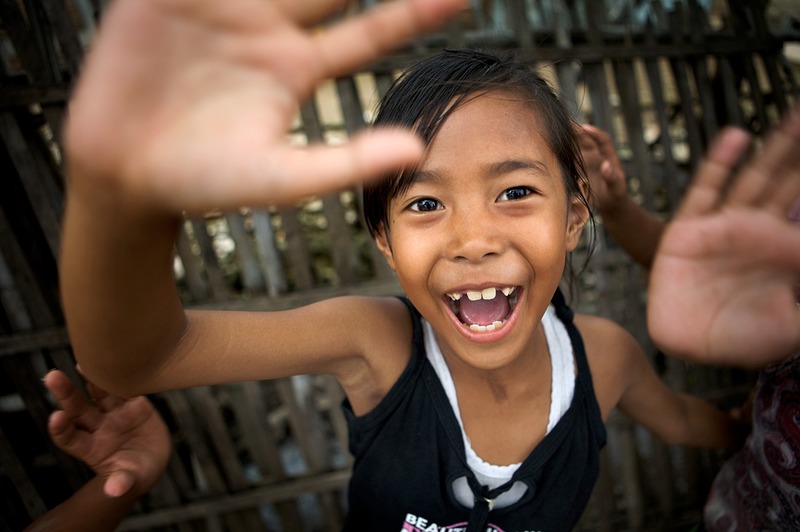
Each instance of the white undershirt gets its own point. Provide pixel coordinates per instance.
(562, 390)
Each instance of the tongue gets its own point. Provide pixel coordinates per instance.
(483, 312)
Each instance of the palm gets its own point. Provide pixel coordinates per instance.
(204, 92)
(735, 299)
(603, 168)
(131, 438)
(122, 440)
(722, 287)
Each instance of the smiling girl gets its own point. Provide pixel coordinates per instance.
(478, 398)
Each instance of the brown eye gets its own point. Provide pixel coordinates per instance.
(424, 205)
(514, 193)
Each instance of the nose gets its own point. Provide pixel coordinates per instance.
(474, 235)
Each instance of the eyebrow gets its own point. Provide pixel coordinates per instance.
(512, 165)
(492, 170)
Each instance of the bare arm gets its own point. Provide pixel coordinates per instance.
(635, 229)
(71, 515)
(624, 378)
(182, 106)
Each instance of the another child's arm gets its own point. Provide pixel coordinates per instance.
(635, 229)
(722, 287)
(624, 378)
(184, 106)
(125, 442)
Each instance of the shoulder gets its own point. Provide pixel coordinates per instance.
(614, 355)
(603, 335)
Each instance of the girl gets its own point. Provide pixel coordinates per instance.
(477, 400)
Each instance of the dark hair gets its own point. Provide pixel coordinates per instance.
(427, 93)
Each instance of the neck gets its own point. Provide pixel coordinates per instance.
(525, 374)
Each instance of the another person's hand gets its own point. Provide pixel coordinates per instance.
(722, 288)
(124, 441)
(185, 105)
(603, 168)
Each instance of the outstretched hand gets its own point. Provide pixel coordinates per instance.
(603, 168)
(185, 104)
(123, 440)
(722, 288)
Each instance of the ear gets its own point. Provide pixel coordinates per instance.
(577, 217)
(385, 246)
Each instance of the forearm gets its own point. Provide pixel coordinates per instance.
(117, 287)
(635, 230)
(87, 510)
(708, 426)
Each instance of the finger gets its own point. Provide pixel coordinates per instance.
(329, 168)
(69, 398)
(119, 483)
(772, 177)
(67, 436)
(60, 427)
(310, 12)
(57, 382)
(353, 43)
(714, 171)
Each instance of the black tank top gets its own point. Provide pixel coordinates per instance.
(408, 451)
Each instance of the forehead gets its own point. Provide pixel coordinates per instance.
(488, 128)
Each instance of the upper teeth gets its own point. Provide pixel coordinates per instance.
(486, 293)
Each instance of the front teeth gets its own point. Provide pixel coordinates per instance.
(490, 327)
(486, 293)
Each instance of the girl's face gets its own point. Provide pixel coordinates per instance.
(479, 240)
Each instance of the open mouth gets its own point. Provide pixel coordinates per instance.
(486, 309)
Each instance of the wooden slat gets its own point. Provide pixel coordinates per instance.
(214, 276)
(343, 252)
(41, 36)
(673, 179)
(32, 176)
(192, 266)
(202, 400)
(283, 491)
(249, 268)
(15, 472)
(353, 115)
(270, 258)
(21, 342)
(65, 33)
(306, 426)
(595, 73)
(247, 402)
(297, 250)
(210, 481)
(680, 71)
(17, 27)
(632, 115)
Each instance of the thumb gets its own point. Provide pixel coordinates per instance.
(119, 483)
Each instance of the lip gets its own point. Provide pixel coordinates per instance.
(486, 337)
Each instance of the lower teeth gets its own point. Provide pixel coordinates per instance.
(490, 327)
